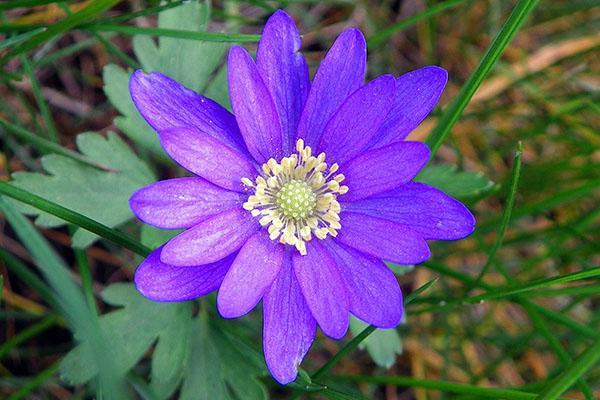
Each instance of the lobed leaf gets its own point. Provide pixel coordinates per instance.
(132, 329)
(459, 184)
(383, 345)
(98, 194)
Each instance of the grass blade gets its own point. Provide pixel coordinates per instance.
(569, 376)
(72, 304)
(454, 111)
(45, 146)
(38, 380)
(75, 218)
(8, 5)
(27, 334)
(510, 202)
(13, 40)
(444, 386)
(84, 15)
(176, 33)
(381, 36)
(352, 344)
(36, 89)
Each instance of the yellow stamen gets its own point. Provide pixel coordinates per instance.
(295, 199)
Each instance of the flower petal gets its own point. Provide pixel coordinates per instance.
(382, 238)
(289, 327)
(284, 72)
(163, 282)
(253, 106)
(207, 157)
(342, 71)
(357, 120)
(323, 288)
(417, 93)
(373, 291)
(426, 210)
(383, 169)
(181, 202)
(166, 104)
(252, 272)
(210, 240)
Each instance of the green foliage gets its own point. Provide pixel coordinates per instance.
(173, 57)
(206, 361)
(220, 366)
(69, 300)
(459, 184)
(102, 195)
(383, 345)
(539, 262)
(154, 237)
(132, 329)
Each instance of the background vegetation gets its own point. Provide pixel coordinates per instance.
(510, 313)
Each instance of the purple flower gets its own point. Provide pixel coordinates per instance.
(299, 195)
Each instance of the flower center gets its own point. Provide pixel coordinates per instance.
(296, 199)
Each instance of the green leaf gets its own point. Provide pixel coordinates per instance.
(69, 302)
(400, 269)
(189, 62)
(207, 362)
(116, 88)
(132, 329)
(169, 358)
(383, 345)
(220, 366)
(459, 184)
(154, 237)
(98, 194)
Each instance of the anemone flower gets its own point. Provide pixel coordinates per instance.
(299, 195)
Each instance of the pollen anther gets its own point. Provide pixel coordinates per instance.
(296, 198)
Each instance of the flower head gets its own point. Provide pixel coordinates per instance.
(299, 195)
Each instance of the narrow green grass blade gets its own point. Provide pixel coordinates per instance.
(64, 52)
(510, 201)
(45, 146)
(84, 15)
(454, 110)
(87, 282)
(72, 304)
(554, 343)
(352, 344)
(557, 317)
(497, 293)
(8, 5)
(19, 269)
(13, 40)
(38, 380)
(36, 89)
(541, 283)
(558, 199)
(27, 334)
(444, 386)
(75, 218)
(175, 33)
(110, 48)
(141, 13)
(579, 367)
(382, 35)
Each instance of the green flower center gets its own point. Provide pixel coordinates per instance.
(296, 199)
